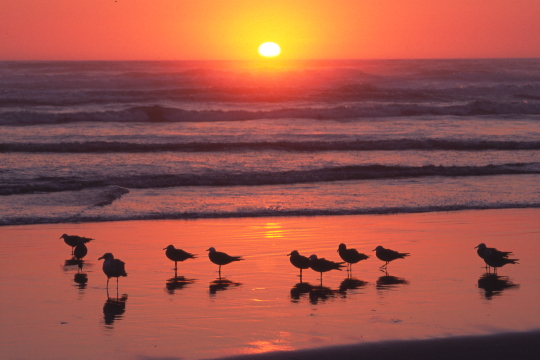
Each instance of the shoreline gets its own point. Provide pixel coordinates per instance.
(272, 214)
(501, 346)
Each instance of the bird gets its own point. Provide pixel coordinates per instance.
(482, 248)
(221, 258)
(73, 240)
(177, 255)
(388, 255)
(80, 250)
(496, 260)
(322, 265)
(299, 261)
(113, 267)
(350, 256)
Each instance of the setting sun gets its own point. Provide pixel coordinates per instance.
(269, 49)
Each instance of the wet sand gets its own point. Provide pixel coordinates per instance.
(518, 346)
(441, 291)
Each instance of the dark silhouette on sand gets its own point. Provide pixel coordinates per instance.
(388, 255)
(177, 255)
(299, 261)
(322, 265)
(73, 240)
(113, 268)
(221, 258)
(482, 248)
(350, 256)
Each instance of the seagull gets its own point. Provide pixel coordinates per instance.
(388, 255)
(299, 261)
(80, 250)
(73, 240)
(322, 265)
(482, 248)
(495, 260)
(177, 255)
(220, 258)
(113, 267)
(351, 256)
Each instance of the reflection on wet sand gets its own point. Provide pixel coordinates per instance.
(221, 284)
(351, 283)
(300, 289)
(113, 309)
(493, 284)
(320, 293)
(388, 282)
(177, 283)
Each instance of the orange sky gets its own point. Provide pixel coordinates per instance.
(233, 29)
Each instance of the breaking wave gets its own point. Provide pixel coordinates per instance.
(167, 114)
(352, 145)
(330, 174)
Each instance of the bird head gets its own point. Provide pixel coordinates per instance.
(480, 246)
(294, 252)
(64, 236)
(212, 249)
(342, 247)
(107, 256)
(378, 248)
(170, 247)
(313, 257)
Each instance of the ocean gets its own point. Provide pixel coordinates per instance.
(108, 141)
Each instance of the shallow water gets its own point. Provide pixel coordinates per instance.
(440, 290)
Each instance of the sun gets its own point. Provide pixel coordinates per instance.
(269, 49)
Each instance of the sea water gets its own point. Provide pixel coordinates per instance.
(106, 141)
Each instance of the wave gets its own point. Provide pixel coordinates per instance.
(175, 215)
(330, 174)
(347, 91)
(167, 114)
(351, 145)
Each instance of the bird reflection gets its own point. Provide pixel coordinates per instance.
(300, 289)
(113, 309)
(493, 284)
(320, 293)
(388, 282)
(177, 283)
(351, 283)
(221, 284)
(80, 278)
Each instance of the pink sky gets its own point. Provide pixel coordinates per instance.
(233, 29)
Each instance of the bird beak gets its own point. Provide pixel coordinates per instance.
(476, 246)
(100, 258)
(164, 248)
(373, 249)
(289, 254)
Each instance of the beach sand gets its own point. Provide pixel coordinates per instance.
(438, 303)
(518, 346)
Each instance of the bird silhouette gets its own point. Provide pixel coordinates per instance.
(299, 261)
(388, 255)
(221, 258)
(73, 240)
(177, 255)
(80, 250)
(494, 260)
(113, 267)
(322, 265)
(350, 256)
(482, 248)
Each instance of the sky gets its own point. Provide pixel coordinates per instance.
(233, 29)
